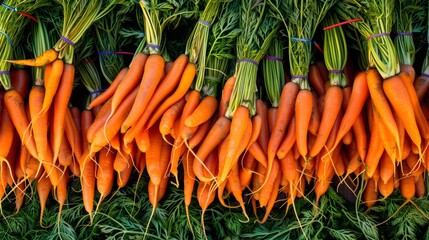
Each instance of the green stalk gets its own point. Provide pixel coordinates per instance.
(41, 42)
(258, 29)
(425, 65)
(220, 46)
(335, 51)
(273, 72)
(196, 46)
(303, 17)
(90, 79)
(78, 16)
(12, 25)
(410, 16)
(377, 16)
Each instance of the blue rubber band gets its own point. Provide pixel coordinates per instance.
(247, 60)
(405, 34)
(153, 46)
(7, 37)
(205, 23)
(68, 41)
(300, 39)
(97, 91)
(299, 76)
(9, 7)
(273, 58)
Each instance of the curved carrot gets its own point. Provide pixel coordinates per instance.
(154, 71)
(314, 124)
(99, 121)
(203, 112)
(45, 58)
(200, 134)
(264, 136)
(226, 95)
(169, 117)
(52, 78)
(182, 88)
(61, 101)
(108, 93)
(73, 134)
(43, 186)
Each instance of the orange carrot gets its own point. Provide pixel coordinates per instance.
(45, 58)
(85, 122)
(370, 194)
(100, 119)
(314, 124)
(61, 100)
(73, 134)
(88, 186)
(303, 104)
(43, 186)
(226, 95)
(169, 117)
(203, 112)
(65, 156)
(53, 75)
(316, 79)
(421, 85)
(264, 136)
(154, 71)
(108, 93)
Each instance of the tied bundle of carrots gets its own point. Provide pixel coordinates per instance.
(207, 121)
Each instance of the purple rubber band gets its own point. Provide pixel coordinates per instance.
(120, 53)
(299, 76)
(4, 72)
(247, 60)
(377, 35)
(205, 23)
(405, 34)
(153, 46)
(97, 91)
(274, 58)
(68, 41)
(425, 75)
(300, 39)
(335, 71)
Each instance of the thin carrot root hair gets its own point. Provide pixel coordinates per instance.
(399, 208)
(213, 177)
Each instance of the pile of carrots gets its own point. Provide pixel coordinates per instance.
(151, 119)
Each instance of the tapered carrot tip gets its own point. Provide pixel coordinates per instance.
(44, 59)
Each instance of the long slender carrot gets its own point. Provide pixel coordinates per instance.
(108, 93)
(304, 101)
(188, 183)
(154, 71)
(99, 121)
(43, 186)
(85, 122)
(61, 100)
(73, 134)
(88, 187)
(61, 191)
(288, 141)
(184, 84)
(53, 73)
(105, 174)
(169, 117)
(226, 95)
(15, 106)
(314, 124)
(264, 136)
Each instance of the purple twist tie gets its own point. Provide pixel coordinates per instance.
(153, 46)
(335, 71)
(68, 41)
(205, 23)
(405, 34)
(247, 60)
(4, 72)
(425, 75)
(120, 53)
(377, 35)
(299, 76)
(274, 58)
(97, 91)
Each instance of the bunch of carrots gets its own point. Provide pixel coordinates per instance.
(216, 133)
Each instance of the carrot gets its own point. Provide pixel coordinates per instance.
(415, 165)
(386, 137)
(112, 126)
(285, 113)
(396, 92)
(182, 88)
(143, 141)
(61, 100)
(248, 165)
(375, 149)
(61, 191)
(199, 135)
(361, 135)
(75, 112)
(188, 183)
(154, 71)
(214, 137)
(51, 82)
(323, 70)
(226, 95)
(420, 186)
(239, 126)
(43, 186)
(87, 180)
(289, 140)
(332, 106)
(378, 95)
(45, 58)
(123, 177)
(65, 156)
(100, 119)
(370, 194)
(407, 76)
(15, 106)
(271, 117)
(386, 188)
(130, 80)
(303, 105)
(19, 195)
(316, 79)
(73, 134)
(421, 85)
(264, 136)
(256, 151)
(85, 122)
(387, 169)
(169, 117)
(203, 112)
(108, 93)
(7, 135)
(170, 81)
(314, 124)
(20, 80)
(235, 187)
(355, 105)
